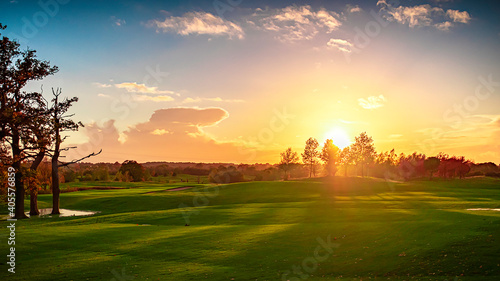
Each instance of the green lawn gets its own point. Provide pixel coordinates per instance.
(263, 230)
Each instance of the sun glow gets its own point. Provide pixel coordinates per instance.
(339, 137)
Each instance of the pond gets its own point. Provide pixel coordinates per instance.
(65, 213)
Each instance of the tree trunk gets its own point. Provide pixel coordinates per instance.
(55, 184)
(16, 156)
(55, 166)
(34, 190)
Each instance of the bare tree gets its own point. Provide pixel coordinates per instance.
(61, 122)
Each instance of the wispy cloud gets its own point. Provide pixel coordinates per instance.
(103, 96)
(217, 99)
(372, 102)
(118, 22)
(133, 87)
(100, 85)
(297, 22)
(340, 44)
(423, 15)
(354, 9)
(160, 132)
(198, 23)
(445, 26)
(458, 16)
(154, 98)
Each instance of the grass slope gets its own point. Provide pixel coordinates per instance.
(264, 230)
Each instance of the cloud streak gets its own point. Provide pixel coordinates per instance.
(198, 23)
(372, 102)
(295, 23)
(340, 44)
(133, 87)
(217, 99)
(423, 15)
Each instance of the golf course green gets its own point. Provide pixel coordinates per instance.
(341, 228)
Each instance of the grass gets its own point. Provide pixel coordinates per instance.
(260, 230)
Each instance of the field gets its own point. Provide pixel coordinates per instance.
(318, 229)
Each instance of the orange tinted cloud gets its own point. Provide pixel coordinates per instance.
(172, 134)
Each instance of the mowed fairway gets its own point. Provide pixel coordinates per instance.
(263, 230)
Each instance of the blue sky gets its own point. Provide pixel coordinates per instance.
(399, 70)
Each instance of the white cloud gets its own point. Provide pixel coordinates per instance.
(198, 23)
(445, 26)
(155, 98)
(340, 44)
(160, 132)
(355, 9)
(217, 99)
(423, 15)
(295, 23)
(100, 85)
(458, 16)
(133, 87)
(372, 102)
(103, 96)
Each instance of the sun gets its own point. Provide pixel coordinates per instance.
(339, 137)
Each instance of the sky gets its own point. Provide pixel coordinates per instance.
(240, 81)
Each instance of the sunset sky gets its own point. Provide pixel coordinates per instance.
(240, 81)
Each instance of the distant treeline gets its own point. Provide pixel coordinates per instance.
(386, 165)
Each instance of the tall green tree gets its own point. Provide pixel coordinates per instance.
(363, 151)
(346, 158)
(134, 169)
(289, 159)
(310, 155)
(330, 155)
(20, 112)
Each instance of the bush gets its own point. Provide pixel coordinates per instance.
(225, 176)
(493, 174)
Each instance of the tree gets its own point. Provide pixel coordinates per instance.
(346, 158)
(330, 155)
(60, 123)
(310, 155)
(431, 165)
(363, 151)
(289, 159)
(20, 112)
(134, 169)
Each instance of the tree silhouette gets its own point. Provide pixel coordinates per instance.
(431, 165)
(363, 151)
(330, 155)
(310, 155)
(288, 160)
(346, 158)
(20, 112)
(60, 122)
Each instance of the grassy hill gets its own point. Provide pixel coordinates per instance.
(317, 229)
